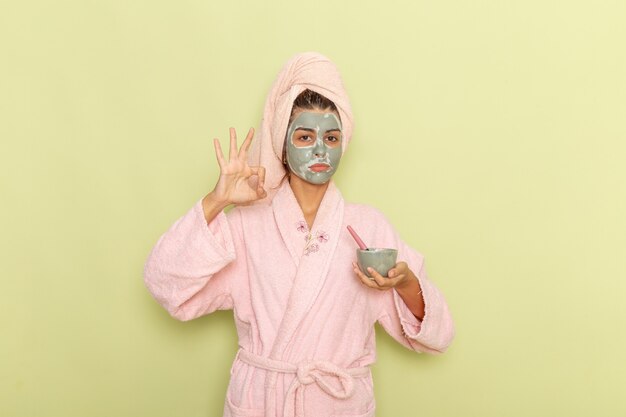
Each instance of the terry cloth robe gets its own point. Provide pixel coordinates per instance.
(305, 322)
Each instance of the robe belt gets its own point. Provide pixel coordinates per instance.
(307, 373)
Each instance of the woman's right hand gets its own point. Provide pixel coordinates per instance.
(233, 186)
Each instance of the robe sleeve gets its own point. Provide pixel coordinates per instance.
(191, 268)
(436, 331)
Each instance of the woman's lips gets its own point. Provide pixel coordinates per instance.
(319, 167)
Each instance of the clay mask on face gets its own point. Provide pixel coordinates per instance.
(314, 146)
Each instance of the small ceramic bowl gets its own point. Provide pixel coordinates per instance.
(380, 259)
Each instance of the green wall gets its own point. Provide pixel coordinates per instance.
(503, 123)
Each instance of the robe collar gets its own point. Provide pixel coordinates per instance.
(300, 241)
(311, 250)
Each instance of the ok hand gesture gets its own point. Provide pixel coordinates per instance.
(233, 186)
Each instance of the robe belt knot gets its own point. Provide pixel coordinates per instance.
(320, 372)
(304, 374)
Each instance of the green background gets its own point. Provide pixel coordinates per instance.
(491, 133)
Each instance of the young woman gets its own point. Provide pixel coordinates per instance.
(284, 261)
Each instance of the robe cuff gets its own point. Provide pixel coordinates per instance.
(215, 235)
(434, 332)
(412, 326)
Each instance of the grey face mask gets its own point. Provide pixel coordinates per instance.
(314, 146)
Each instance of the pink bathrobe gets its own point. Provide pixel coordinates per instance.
(304, 320)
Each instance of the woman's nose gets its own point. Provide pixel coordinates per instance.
(319, 147)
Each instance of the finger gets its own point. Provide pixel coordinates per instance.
(253, 171)
(246, 145)
(392, 282)
(398, 269)
(233, 144)
(218, 153)
(364, 279)
(260, 173)
(380, 280)
(261, 176)
(367, 281)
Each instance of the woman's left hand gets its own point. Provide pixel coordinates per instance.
(397, 277)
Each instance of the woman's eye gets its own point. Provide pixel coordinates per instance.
(332, 138)
(305, 137)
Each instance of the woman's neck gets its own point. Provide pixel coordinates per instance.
(309, 196)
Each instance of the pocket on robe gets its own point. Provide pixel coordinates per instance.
(370, 413)
(235, 411)
(238, 392)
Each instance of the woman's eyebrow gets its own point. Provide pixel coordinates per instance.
(308, 129)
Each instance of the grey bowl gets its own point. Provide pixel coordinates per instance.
(381, 259)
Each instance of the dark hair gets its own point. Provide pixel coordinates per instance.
(309, 100)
